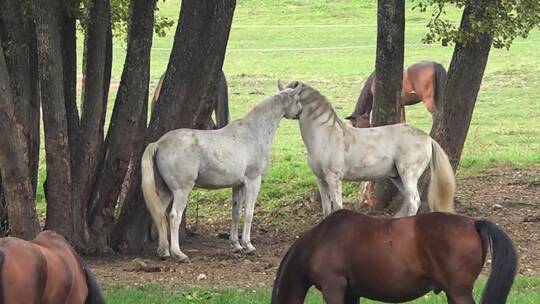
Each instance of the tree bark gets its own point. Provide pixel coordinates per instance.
(17, 187)
(90, 144)
(128, 124)
(388, 76)
(465, 73)
(69, 63)
(59, 188)
(187, 95)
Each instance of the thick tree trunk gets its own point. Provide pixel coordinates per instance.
(59, 188)
(90, 144)
(69, 63)
(128, 124)
(465, 73)
(187, 94)
(17, 186)
(388, 76)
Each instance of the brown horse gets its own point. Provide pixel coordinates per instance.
(422, 81)
(45, 270)
(220, 106)
(349, 255)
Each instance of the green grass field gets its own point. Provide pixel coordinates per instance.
(331, 45)
(525, 291)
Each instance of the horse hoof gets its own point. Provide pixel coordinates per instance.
(163, 254)
(250, 250)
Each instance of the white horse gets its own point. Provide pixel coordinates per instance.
(399, 152)
(235, 156)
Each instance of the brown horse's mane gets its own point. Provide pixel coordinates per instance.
(365, 94)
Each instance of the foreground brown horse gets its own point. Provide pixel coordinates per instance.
(220, 106)
(45, 270)
(349, 255)
(422, 81)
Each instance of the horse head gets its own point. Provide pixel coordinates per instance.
(359, 120)
(294, 107)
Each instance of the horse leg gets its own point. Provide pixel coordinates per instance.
(334, 290)
(402, 113)
(325, 199)
(460, 296)
(411, 199)
(252, 190)
(237, 202)
(180, 199)
(334, 187)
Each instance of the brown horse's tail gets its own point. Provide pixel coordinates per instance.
(442, 183)
(94, 293)
(503, 266)
(440, 83)
(2, 259)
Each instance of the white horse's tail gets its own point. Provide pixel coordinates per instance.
(442, 183)
(148, 185)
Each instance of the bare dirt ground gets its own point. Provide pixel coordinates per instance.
(506, 196)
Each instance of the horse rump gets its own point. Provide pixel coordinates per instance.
(504, 264)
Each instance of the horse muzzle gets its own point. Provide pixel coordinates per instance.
(297, 117)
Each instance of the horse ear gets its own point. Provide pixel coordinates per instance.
(297, 90)
(280, 85)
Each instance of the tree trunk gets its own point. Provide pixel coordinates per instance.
(187, 95)
(17, 186)
(465, 73)
(128, 124)
(59, 188)
(388, 76)
(90, 144)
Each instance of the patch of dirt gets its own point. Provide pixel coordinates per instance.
(509, 197)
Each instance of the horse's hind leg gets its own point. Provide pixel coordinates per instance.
(411, 202)
(460, 296)
(334, 290)
(237, 202)
(252, 190)
(180, 199)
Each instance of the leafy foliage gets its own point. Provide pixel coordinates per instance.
(503, 19)
(120, 18)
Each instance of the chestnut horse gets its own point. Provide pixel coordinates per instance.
(45, 270)
(220, 106)
(422, 81)
(349, 255)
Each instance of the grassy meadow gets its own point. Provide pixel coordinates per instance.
(331, 45)
(524, 291)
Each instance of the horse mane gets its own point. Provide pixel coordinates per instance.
(365, 95)
(310, 95)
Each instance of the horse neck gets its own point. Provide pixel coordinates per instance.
(290, 286)
(314, 126)
(264, 119)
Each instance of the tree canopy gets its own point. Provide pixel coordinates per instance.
(504, 20)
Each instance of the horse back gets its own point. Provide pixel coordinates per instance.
(66, 278)
(24, 269)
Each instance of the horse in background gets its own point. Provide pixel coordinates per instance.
(349, 255)
(423, 81)
(45, 270)
(398, 152)
(236, 156)
(220, 106)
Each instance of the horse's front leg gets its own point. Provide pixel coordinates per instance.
(238, 199)
(180, 199)
(325, 198)
(334, 191)
(252, 190)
